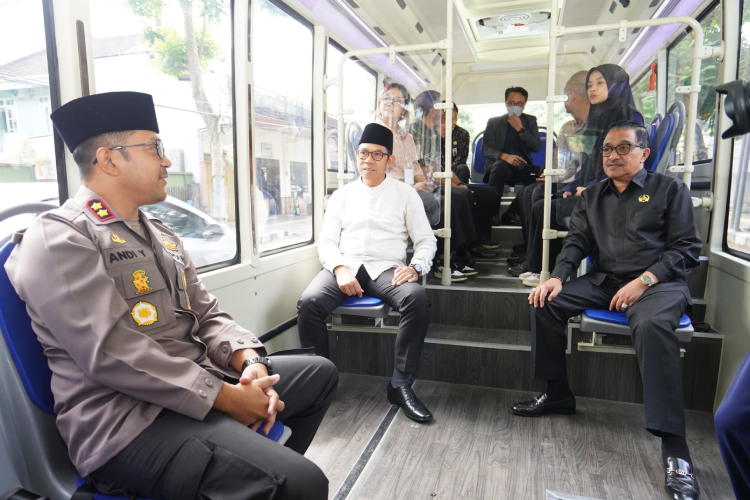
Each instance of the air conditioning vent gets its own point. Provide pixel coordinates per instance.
(352, 4)
(511, 24)
(419, 27)
(401, 4)
(378, 31)
(612, 7)
(593, 49)
(621, 51)
(654, 3)
(635, 30)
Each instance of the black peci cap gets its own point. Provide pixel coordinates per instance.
(375, 133)
(93, 115)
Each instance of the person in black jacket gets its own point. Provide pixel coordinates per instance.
(639, 228)
(508, 142)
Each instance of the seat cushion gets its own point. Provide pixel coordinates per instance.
(363, 301)
(619, 318)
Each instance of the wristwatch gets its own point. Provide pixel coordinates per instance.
(262, 361)
(417, 268)
(647, 280)
(521, 131)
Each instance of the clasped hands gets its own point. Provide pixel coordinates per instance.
(628, 294)
(253, 401)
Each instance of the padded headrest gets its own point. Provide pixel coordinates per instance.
(24, 347)
(659, 143)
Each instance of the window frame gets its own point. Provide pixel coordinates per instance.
(725, 237)
(646, 73)
(307, 24)
(700, 17)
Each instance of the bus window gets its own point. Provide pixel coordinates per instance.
(146, 51)
(679, 70)
(737, 235)
(360, 94)
(282, 96)
(28, 167)
(645, 99)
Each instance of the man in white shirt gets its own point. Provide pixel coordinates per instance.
(363, 251)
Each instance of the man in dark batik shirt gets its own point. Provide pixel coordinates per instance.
(639, 227)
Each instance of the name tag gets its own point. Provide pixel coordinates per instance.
(409, 176)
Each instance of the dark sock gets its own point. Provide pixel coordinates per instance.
(674, 446)
(557, 390)
(400, 378)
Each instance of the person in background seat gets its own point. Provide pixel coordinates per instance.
(508, 142)
(460, 149)
(640, 228)
(363, 251)
(158, 392)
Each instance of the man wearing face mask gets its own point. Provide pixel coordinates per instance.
(509, 141)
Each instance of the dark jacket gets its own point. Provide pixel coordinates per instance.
(494, 137)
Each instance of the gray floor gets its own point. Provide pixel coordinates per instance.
(476, 449)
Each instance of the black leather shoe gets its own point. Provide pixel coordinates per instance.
(510, 220)
(679, 481)
(480, 253)
(519, 249)
(517, 270)
(539, 406)
(404, 397)
(516, 260)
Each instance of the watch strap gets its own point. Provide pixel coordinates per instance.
(257, 360)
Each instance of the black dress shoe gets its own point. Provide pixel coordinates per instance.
(517, 270)
(679, 481)
(480, 253)
(510, 220)
(516, 260)
(539, 406)
(404, 397)
(519, 249)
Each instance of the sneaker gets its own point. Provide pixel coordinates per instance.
(527, 274)
(466, 270)
(455, 275)
(532, 280)
(487, 244)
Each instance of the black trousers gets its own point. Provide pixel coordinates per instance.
(180, 458)
(560, 209)
(522, 205)
(462, 172)
(653, 319)
(323, 295)
(483, 203)
(501, 173)
(463, 230)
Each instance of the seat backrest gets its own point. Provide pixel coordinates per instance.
(656, 120)
(539, 158)
(24, 347)
(659, 143)
(478, 163)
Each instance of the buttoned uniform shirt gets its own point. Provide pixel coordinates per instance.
(126, 324)
(647, 227)
(369, 227)
(459, 148)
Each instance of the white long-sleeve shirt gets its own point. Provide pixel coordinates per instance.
(370, 227)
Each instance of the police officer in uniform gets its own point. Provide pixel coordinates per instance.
(158, 392)
(640, 227)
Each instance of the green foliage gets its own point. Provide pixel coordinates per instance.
(149, 9)
(169, 51)
(466, 122)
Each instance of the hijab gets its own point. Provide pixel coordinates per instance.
(618, 106)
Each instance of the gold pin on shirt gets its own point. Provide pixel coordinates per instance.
(643, 198)
(116, 238)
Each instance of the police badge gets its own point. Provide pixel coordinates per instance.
(141, 282)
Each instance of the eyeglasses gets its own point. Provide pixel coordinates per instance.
(520, 104)
(159, 148)
(376, 155)
(622, 149)
(390, 100)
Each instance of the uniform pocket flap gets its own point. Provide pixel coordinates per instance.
(141, 280)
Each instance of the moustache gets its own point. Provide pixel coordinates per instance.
(615, 163)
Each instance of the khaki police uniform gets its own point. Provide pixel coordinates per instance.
(129, 331)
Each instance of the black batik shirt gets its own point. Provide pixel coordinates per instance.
(647, 227)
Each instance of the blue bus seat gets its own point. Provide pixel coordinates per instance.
(539, 158)
(478, 161)
(605, 321)
(660, 142)
(39, 437)
(370, 307)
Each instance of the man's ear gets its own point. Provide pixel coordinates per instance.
(391, 161)
(104, 162)
(646, 153)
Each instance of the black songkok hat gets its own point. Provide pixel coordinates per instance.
(93, 115)
(375, 133)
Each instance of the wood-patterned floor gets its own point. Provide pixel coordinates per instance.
(476, 449)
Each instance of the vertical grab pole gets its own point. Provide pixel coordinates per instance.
(553, 34)
(446, 278)
(695, 80)
(340, 122)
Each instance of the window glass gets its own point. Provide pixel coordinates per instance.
(146, 50)
(282, 60)
(679, 71)
(28, 170)
(360, 95)
(645, 99)
(738, 217)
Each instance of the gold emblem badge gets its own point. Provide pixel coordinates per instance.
(144, 314)
(169, 244)
(141, 282)
(455, 143)
(99, 209)
(643, 198)
(96, 206)
(116, 238)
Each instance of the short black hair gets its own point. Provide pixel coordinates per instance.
(517, 90)
(641, 134)
(85, 153)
